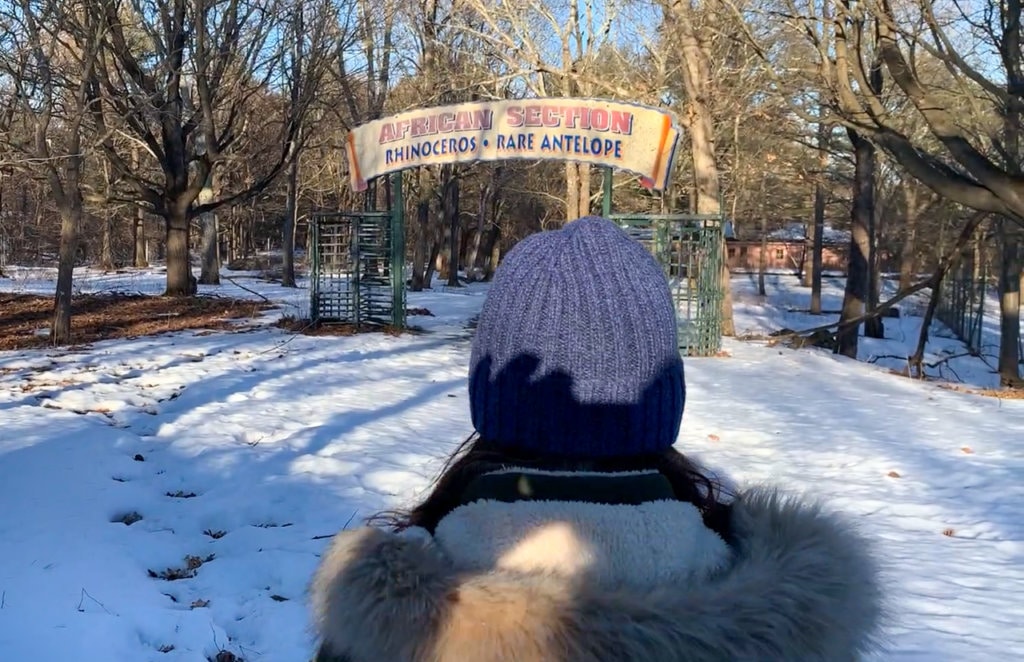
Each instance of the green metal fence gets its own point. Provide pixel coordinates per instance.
(689, 248)
(357, 274)
(962, 299)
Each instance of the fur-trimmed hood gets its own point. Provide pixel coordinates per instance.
(499, 582)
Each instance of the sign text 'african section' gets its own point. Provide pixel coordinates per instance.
(623, 136)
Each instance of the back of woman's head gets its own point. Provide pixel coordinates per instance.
(575, 367)
(576, 352)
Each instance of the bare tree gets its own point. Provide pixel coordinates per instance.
(957, 65)
(953, 161)
(1005, 27)
(696, 75)
(52, 93)
(140, 253)
(177, 70)
(309, 32)
(555, 50)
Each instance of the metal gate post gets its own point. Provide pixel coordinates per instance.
(314, 280)
(397, 252)
(356, 228)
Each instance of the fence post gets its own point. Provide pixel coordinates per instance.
(397, 252)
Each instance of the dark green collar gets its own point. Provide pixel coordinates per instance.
(613, 489)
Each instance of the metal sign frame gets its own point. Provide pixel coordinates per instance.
(688, 246)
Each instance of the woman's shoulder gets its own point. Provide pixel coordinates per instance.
(803, 585)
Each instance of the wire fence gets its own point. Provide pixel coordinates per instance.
(962, 299)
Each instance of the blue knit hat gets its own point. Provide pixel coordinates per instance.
(576, 351)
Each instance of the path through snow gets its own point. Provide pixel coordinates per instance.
(250, 449)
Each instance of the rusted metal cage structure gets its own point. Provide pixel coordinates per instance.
(357, 274)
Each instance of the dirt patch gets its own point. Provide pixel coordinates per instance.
(309, 328)
(180, 494)
(1001, 393)
(128, 518)
(225, 656)
(268, 267)
(187, 571)
(97, 317)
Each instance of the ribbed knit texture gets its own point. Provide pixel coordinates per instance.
(576, 350)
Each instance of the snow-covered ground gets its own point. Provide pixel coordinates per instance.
(246, 451)
(946, 357)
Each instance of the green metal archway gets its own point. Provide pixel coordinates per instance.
(358, 257)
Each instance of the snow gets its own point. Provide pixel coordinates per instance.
(284, 439)
(786, 307)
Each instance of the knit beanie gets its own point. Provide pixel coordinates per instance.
(576, 352)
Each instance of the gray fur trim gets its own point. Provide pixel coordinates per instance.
(803, 588)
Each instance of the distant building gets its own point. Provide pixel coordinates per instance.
(787, 250)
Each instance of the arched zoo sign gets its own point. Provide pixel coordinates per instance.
(623, 136)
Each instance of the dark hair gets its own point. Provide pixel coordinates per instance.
(476, 456)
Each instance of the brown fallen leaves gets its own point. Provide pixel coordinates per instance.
(97, 317)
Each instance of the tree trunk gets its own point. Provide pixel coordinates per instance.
(231, 240)
(180, 281)
(441, 257)
(210, 248)
(435, 251)
(908, 262)
(856, 293)
(572, 192)
(583, 170)
(451, 212)
(488, 260)
(291, 213)
(420, 249)
(140, 256)
(874, 327)
(425, 232)
(209, 235)
(823, 137)
(107, 231)
(696, 74)
(762, 259)
(4, 247)
(977, 263)
(107, 243)
(1012, 262)
(473, 250)
(1010, 268)
(421, 246)
(806, 274)
(494, 256)
(818, 241)
(916, 360)
(473, 254)
(945, 264)
(71, 220)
